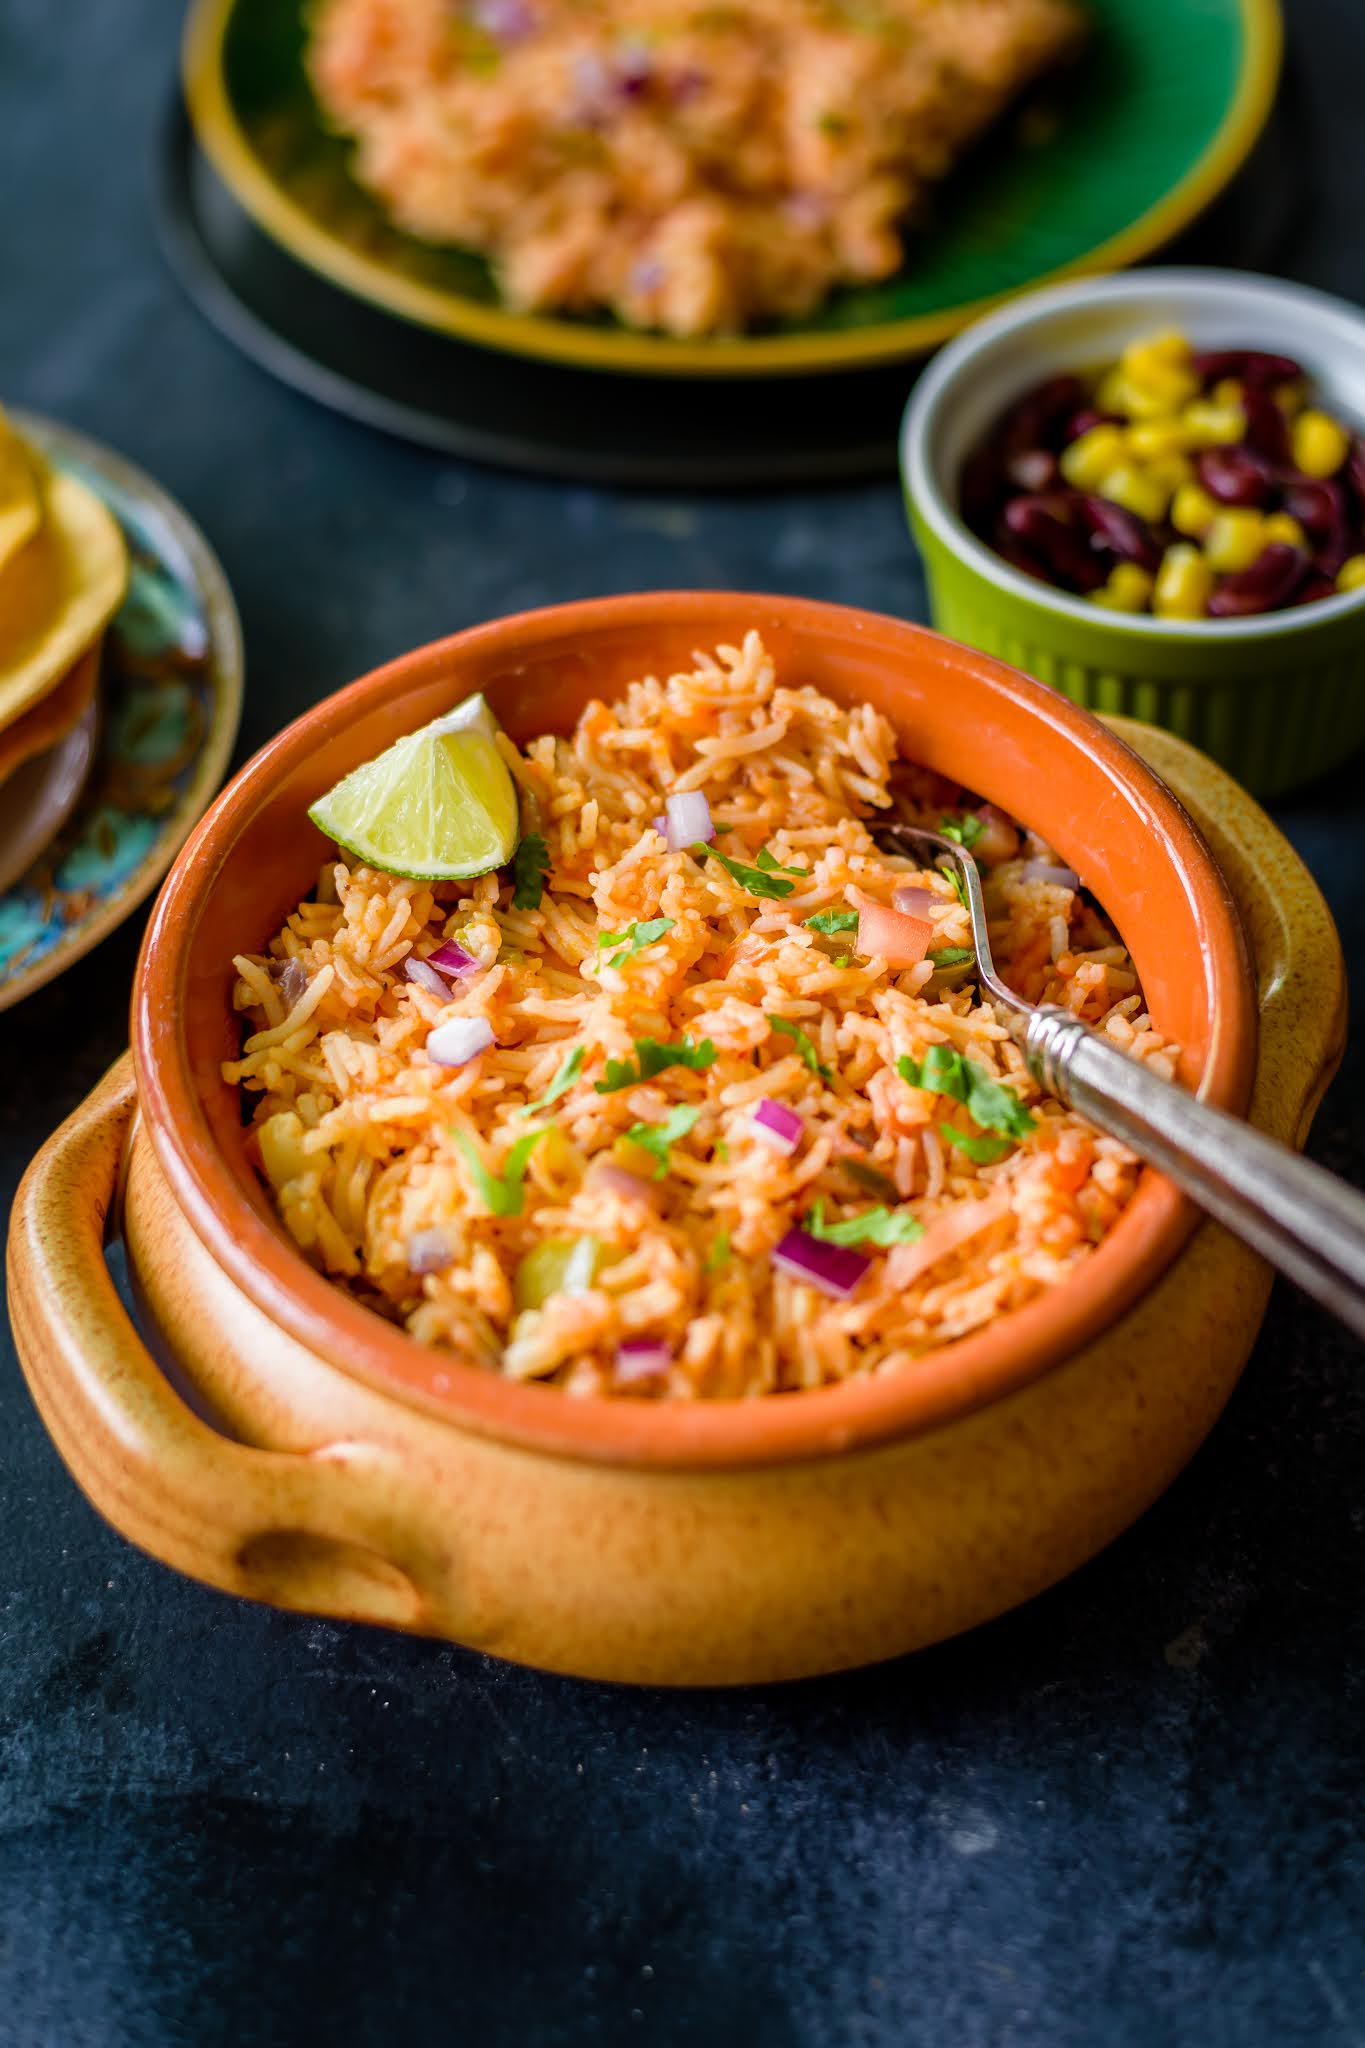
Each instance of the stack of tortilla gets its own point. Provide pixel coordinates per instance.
(63, 572)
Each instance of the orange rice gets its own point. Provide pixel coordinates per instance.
(690, 167)
(357, 1126)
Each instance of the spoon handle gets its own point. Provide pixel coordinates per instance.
(1305, 1221)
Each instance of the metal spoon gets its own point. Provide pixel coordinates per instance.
(1305, 1221)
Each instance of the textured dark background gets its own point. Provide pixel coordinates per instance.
(1128, 1814)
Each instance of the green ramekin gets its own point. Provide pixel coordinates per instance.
(1277, 699)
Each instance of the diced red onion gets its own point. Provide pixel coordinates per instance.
(778, 1125)
(452, 960)
(660, 825)
(834, 1268)
(1048, 871)
(915, 902)
(459, 1040)
(425, 976)
(292, 977)
(619, 1180)
(428, 1251)
(642, 1358)
(507, 21)
(689, 820)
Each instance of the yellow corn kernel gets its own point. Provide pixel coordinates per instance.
(1161, 364)
(1321, 444)
(1283, 527)
(1170, 471)
(1151, 439)
(1092, 456)
(1227, 391)
(1291, 398)
(1234, 540)
(282, 1154)
(1137, 490)
(1184, 584)
(1212, 426)
(1351, 575)
(1129, 589)
(1193, 511)
(1117, 392)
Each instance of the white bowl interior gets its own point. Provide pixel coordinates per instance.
(1081, 327)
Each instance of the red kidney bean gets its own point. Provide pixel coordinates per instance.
(1313, 589)
(1121, 531)
(1042, 524)
(1269, 583)
(1318, 503)
(1235, 476)
(1081, 422)
(1355, 468)
(1251, 365)
(1334, 554)
(1034, 470)
(1267, 429)
(1033, 420)
(981, 489)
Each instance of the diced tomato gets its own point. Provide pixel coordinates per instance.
(893, 935)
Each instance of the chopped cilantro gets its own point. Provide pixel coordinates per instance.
(570, 1067)
(719, 1254)
(880, 1227)
(802, 1044)
(985, 1151)
(720, 1152)
(530, 866)
(947, 1073)
(966, 830)
(831, 921)
(652, 1056)
(832, 124)
(634, 938)
(657, 1138)
(952, 956)
(763, 880)
(501, 1193)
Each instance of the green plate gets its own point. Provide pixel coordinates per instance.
(1111, 162)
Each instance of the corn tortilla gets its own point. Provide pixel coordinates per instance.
(58, 592)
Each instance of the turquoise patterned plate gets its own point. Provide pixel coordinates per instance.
(170, 693)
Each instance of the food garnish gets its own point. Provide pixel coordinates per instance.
(802, 1045)
(633, 939)
(653, 1057)
(568, 1071)
(881, 1227)
(765, 878)
(501, 1193)
(945, 1072)
(657, 1138)
(438, 805)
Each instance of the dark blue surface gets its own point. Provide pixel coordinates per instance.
(1128, 1814)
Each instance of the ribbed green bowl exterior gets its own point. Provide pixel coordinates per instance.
(1275, 710)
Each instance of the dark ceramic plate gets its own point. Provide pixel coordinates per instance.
(586, 425)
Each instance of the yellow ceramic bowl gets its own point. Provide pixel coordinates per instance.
(718, 1543)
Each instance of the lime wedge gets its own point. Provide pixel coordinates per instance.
(438, 805)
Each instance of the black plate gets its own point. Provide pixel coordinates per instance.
(580, 424)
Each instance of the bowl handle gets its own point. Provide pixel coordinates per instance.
(329, 1530)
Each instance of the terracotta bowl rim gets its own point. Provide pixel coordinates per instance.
(967, 1374)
